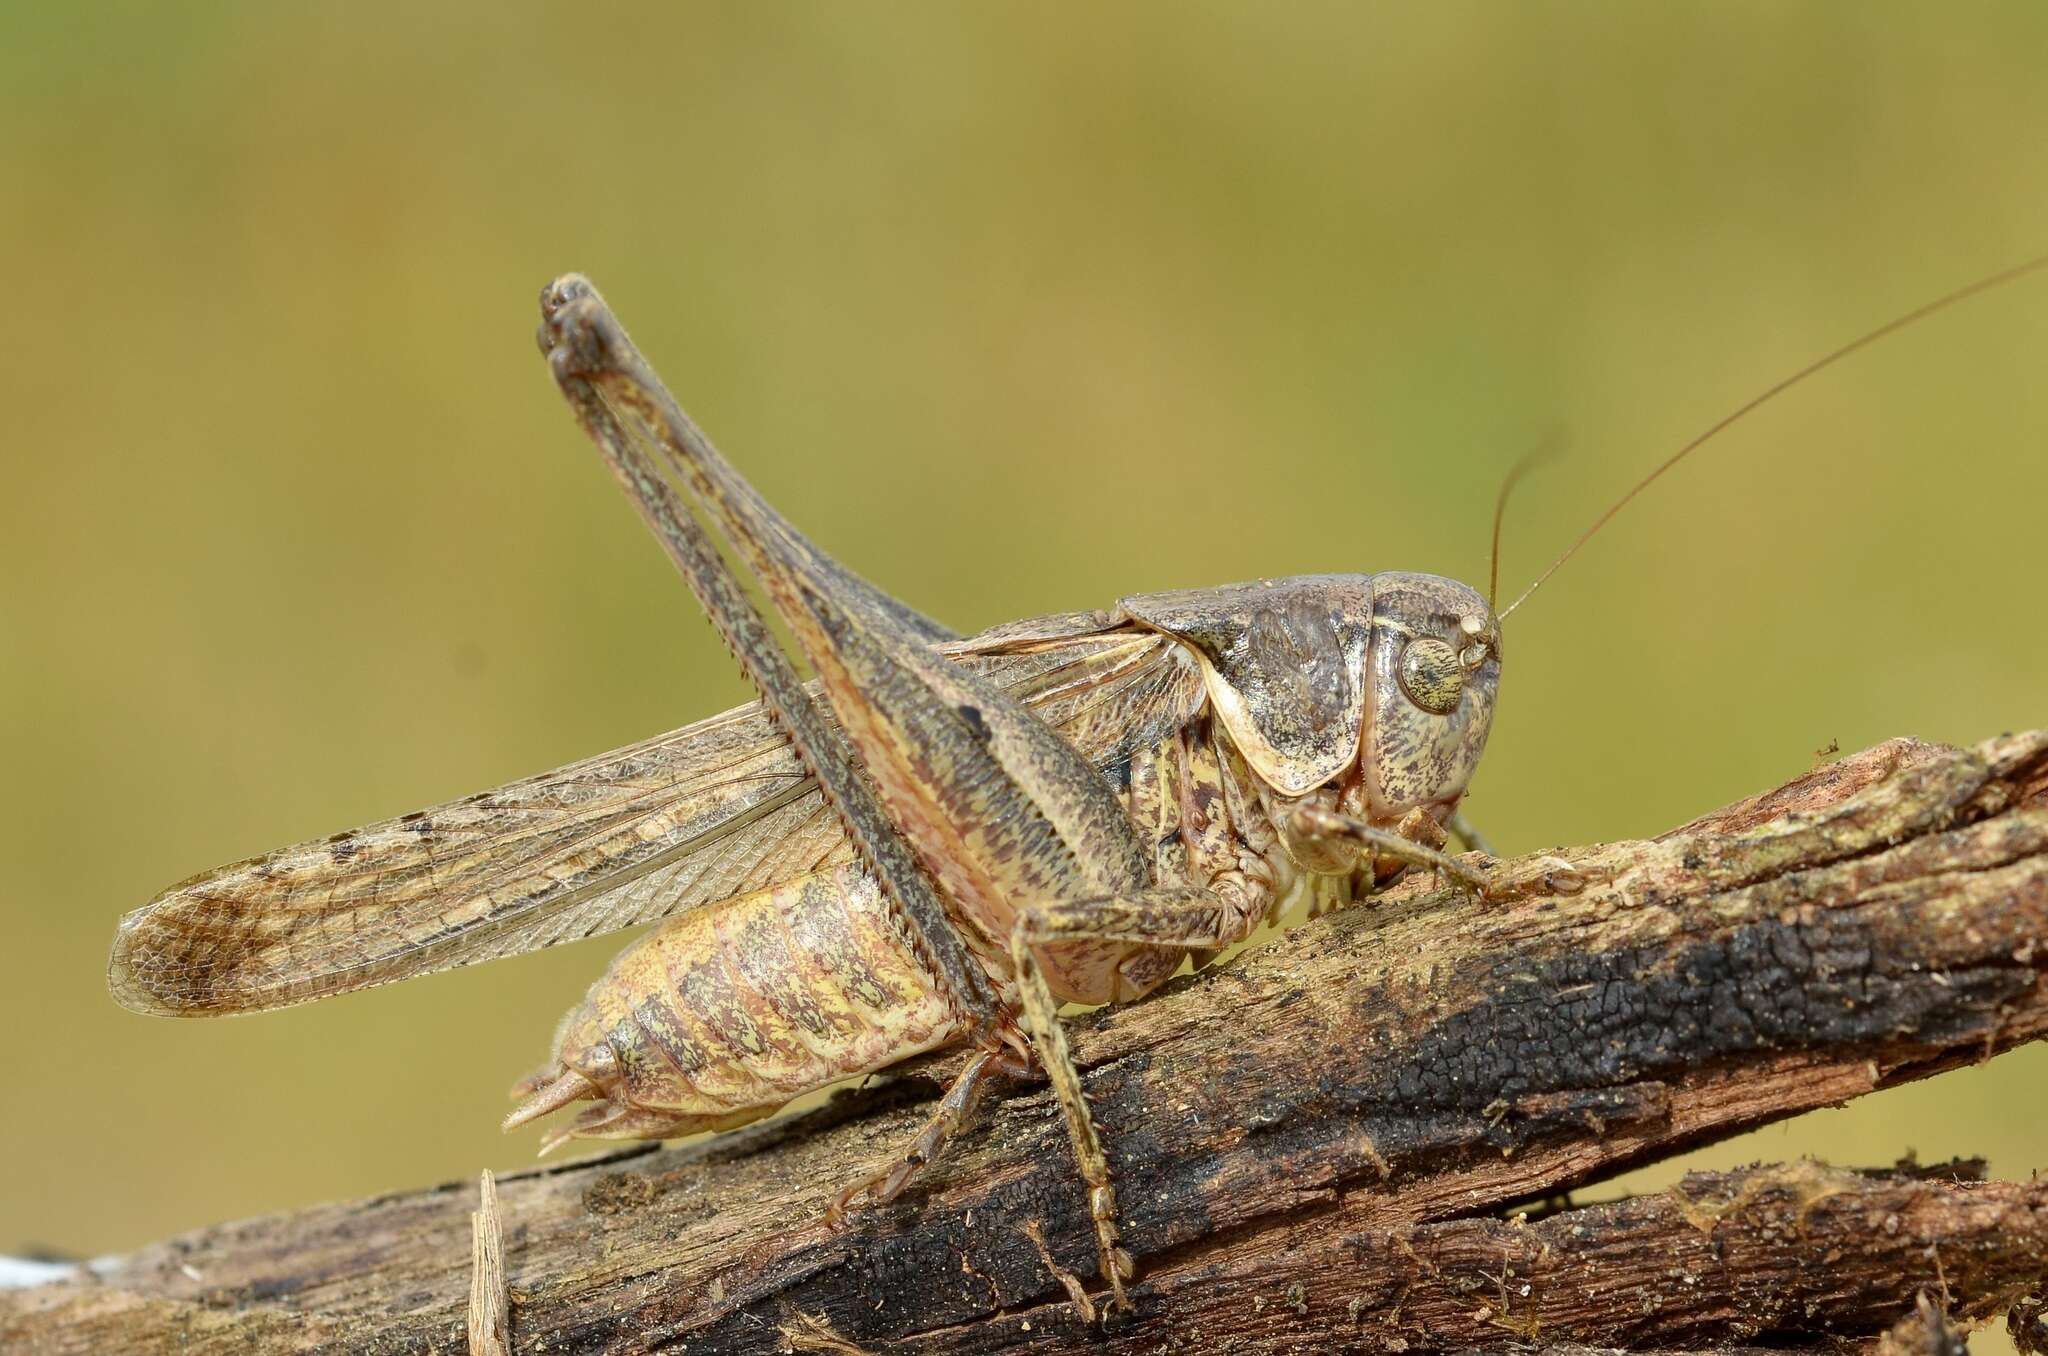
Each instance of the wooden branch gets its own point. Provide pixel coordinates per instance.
(1319, 1143)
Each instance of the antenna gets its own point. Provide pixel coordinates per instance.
(1864, 341)
(1526, 463)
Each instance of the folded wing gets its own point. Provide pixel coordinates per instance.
(700, 814)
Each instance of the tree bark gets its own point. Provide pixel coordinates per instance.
(1320, 1144)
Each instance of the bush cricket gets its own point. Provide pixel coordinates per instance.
(936, 842)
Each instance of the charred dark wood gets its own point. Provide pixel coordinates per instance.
(1319, 1144)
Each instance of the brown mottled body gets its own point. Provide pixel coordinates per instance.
(722, 1015)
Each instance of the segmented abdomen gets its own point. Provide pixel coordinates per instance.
(723, 1014)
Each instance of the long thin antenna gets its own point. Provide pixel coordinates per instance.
(1528, 462)
(1864, 341)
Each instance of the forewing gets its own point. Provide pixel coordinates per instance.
(700, 814)
(555, 857)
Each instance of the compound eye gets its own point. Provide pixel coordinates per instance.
(1431, 675)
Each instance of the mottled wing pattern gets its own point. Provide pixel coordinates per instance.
(700, 814)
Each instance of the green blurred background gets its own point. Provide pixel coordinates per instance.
(1016, 309)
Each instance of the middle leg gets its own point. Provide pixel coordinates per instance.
(1178, 916)
(953, 1111)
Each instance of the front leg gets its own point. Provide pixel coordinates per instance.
(1313, 823)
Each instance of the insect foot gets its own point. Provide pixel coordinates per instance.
(1546, 875)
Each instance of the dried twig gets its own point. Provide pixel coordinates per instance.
(1316, 1141)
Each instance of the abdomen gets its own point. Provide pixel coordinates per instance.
(723, 1014)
